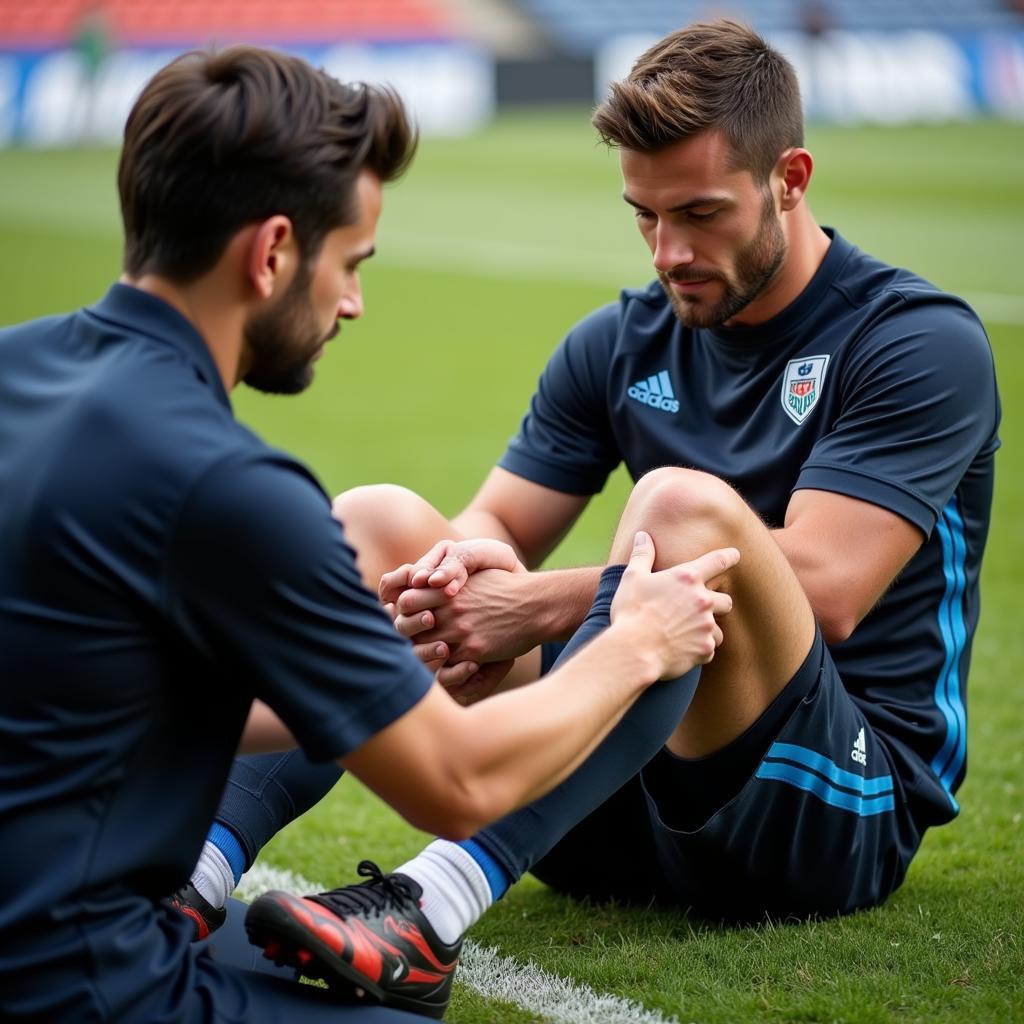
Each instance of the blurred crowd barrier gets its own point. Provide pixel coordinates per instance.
(70, 69)
(54, 98)
(883, 77)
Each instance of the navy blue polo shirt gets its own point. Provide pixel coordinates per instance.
(873, 384)
(157, 558)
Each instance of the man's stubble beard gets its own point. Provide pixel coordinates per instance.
(284, 340)
(757, 264)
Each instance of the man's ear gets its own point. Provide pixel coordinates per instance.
(273, 255)
(794, 169)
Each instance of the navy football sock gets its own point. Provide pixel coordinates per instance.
(267, 791)
(506, 850)
(520, 839)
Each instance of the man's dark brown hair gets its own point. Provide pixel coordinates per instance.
(220, 140)
(711, 75)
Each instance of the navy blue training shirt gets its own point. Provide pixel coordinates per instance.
(160, 568)
(872, 384)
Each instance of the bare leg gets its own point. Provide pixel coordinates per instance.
(771, 627)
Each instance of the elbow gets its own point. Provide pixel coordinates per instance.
(837, 608)
(834, 632)
(837, 624)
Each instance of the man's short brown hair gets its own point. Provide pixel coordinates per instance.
(712, 75)
(218, 140)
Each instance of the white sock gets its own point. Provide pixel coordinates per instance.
(212, 876)
(455, 890)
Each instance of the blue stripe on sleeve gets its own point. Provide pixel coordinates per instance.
(948, 762)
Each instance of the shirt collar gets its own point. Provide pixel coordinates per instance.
(785, 322)
(141, 313)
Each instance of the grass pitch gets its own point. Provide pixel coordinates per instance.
(488, 252)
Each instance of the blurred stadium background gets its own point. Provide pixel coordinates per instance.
(69, 68)
(509, 228)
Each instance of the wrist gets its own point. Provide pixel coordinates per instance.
(557, 601)
(630, 643)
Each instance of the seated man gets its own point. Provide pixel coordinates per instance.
(159, 559)
(775, 389)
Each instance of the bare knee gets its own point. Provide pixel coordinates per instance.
(364, 506)
(686, 511)
(388, 523)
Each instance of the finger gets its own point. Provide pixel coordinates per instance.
(714, 563)
(394, 582)
(718, 635)
(430, 561)
(433, 654)
(721, 604)
(641, 558)
(414, 625)
(472, 556)
(454, 676)
(450, 575)
(413, 602)
(483, 682)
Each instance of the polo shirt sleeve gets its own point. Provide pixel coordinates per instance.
(919, 403)
(565, 440)
(261, 582)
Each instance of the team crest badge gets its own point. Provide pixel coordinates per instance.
(801, 386)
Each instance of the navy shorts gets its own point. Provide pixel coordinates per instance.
(802, 815)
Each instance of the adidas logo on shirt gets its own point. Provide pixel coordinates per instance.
(656, 392)
(860, 749)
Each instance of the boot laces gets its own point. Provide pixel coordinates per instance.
(380, 893)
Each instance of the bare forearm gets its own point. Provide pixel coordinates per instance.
(451, 770)
(502, 753)
(530, 517)
(548, 729)
(478, 522)
(556, 602)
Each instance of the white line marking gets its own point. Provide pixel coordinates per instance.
(526, 261)
(486, 971)
(607, 265)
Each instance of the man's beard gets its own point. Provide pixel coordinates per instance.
(284, 340)
(756, 265)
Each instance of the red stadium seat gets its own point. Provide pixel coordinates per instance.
(48, 23)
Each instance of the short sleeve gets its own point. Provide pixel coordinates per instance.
(919, 404)
(565, 440)
(261, 582)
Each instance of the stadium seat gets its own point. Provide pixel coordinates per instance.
(580, 26)
(26, 24)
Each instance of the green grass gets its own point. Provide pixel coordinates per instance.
(490, 249)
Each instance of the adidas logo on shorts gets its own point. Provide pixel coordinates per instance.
(860, 749)
(656, 392)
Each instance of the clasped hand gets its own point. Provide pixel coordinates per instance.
(458, 606)
(462, 606)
